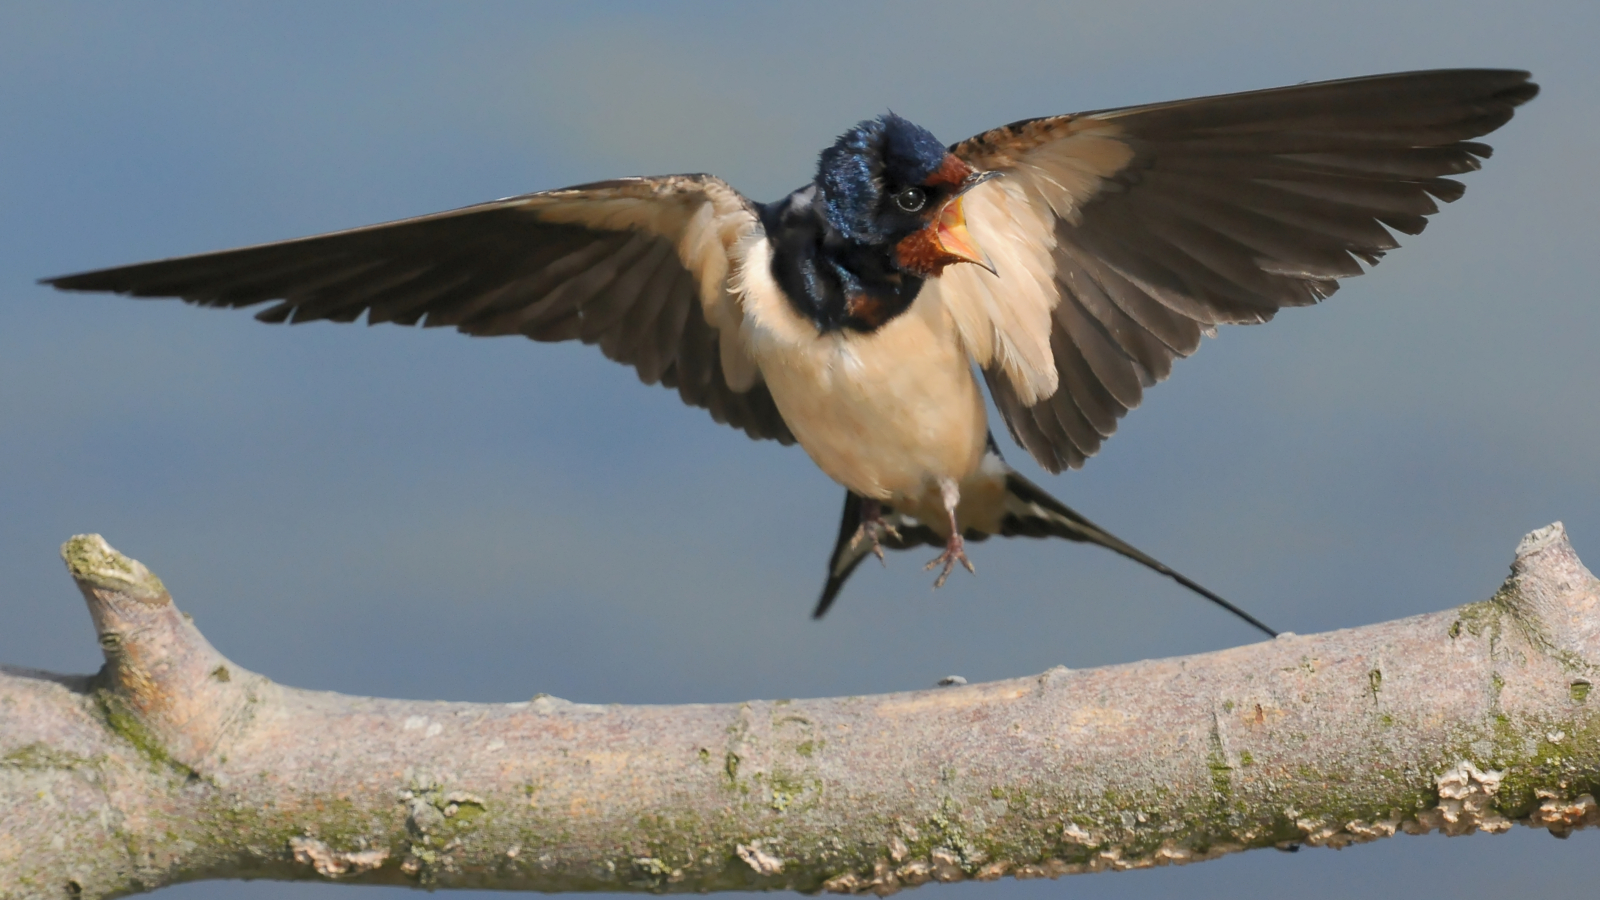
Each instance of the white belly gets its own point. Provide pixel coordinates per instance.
(887, 414)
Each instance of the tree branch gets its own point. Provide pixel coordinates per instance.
(173, 764)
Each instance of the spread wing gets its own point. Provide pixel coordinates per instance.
(638, 266)
(1121, 236)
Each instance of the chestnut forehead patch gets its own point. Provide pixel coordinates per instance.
(952, 172)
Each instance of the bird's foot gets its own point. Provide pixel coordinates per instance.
(873, 527)
(955, 551)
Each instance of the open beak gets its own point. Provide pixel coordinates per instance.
(950, 229)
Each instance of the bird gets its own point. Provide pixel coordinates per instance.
(1066, 261)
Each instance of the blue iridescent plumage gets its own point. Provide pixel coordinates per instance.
(876, 154)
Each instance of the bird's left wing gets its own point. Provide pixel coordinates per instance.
(638, 266)
(1121, 236)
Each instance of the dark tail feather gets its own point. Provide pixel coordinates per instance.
(845, 558)
(1031, 512)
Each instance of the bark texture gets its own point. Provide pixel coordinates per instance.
(173, 764)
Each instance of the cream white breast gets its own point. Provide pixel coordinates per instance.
(887, 414)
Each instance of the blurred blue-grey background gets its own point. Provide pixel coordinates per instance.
(419, 514)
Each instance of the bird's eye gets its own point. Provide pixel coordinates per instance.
(912, 199)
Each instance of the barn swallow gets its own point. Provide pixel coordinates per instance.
(1069, 259)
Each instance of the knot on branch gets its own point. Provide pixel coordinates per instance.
(1554, 597)
(164, 687)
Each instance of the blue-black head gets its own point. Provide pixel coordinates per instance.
(868, 169)
(852, 249)
(888, 183)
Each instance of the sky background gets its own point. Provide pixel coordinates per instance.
(418, 514)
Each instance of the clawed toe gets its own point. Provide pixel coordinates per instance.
(955, 550)
(875, 528)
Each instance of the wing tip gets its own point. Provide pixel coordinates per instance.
(82, 282)
(1520, 91)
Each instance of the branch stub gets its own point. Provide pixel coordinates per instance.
(95, 563)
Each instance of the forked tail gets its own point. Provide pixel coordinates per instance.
(1029, 512)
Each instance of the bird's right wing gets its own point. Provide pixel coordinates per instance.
(638, 266)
